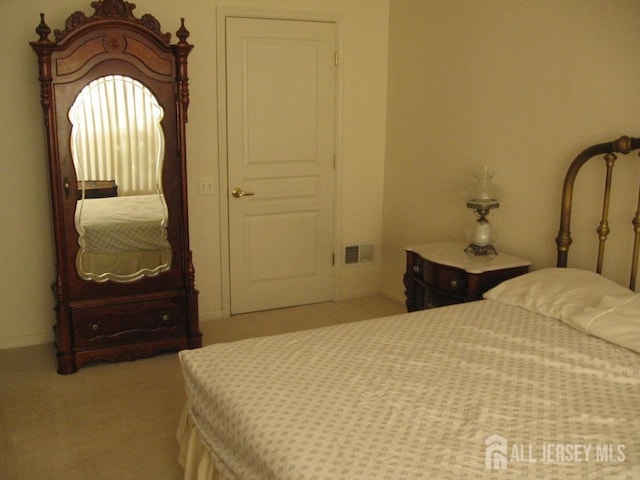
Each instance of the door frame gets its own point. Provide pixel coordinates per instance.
(222, 13)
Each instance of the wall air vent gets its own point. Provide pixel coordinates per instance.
(354, 254)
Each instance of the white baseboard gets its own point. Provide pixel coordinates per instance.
(26, 340)
(210, 316)
(358, 293)
(393, 296)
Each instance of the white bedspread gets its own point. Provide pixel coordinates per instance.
(418, 396)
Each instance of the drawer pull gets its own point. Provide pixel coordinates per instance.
(166, 317)
(95, 327)
(416, 269)
(453, 283)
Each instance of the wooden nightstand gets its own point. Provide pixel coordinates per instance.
(441, 274)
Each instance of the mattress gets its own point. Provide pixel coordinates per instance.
(456, 392)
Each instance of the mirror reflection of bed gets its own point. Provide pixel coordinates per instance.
(122, 238)
(117, 146)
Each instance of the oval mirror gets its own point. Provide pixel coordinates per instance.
(117, 145)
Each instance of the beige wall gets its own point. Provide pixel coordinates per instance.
(521, 86)
(26, 303)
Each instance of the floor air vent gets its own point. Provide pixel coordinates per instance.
(358, 254)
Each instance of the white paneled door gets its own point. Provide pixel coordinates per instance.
(281, 146)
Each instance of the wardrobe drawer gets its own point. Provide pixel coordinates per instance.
(128, 322)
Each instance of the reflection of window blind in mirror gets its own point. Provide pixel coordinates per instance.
(116, 135)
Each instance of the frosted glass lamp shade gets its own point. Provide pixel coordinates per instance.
(483, 194)
(481, 197)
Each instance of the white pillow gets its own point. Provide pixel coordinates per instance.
(619, 324)
(559, 293)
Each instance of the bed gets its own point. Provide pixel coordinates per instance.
(123, 237)
(541, 379)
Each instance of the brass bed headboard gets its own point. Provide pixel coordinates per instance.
(622, 145)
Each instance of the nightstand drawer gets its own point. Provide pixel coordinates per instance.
(445, 278)
(435, 298)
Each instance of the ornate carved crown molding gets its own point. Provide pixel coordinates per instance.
(112, 9)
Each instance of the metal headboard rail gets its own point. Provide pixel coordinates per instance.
(622, 145)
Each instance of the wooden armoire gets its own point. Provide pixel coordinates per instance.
(114, 91)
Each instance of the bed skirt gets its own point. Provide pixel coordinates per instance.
(194, 457)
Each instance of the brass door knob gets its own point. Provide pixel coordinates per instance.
(239, 193)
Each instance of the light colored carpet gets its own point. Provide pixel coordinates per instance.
(118, 421)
